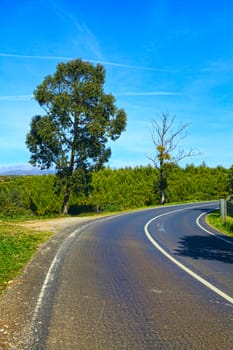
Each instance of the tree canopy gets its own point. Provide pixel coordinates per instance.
(79, 119)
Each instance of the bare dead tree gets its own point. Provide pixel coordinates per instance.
(166, 139)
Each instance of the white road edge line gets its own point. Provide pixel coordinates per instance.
(51, 272)
(45, 285)
(54, 266)
(209, 232)
(180, 265)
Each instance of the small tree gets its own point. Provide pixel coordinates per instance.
(79, 119)
(166, 140)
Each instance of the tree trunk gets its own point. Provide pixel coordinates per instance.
(65, 204)
(162, 183)
(97, 209)
(162, 197)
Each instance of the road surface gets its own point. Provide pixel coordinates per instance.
(151, 279)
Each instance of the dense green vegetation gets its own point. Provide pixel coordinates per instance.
(111, 190)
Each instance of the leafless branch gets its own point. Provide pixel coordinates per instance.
(166, 136)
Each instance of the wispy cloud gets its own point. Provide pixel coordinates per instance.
(16, 98)
(149, 93)
(73, 19)
(65, 58)
(36, 57)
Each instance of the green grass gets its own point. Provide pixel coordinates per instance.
(225, 226)
(17, 245)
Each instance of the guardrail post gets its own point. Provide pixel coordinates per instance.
(223, 208)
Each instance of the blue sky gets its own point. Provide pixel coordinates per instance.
(169, 56)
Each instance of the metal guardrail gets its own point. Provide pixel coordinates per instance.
(229, 206)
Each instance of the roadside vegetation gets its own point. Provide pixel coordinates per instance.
(223, 225)
(27, 197)
(17, 245)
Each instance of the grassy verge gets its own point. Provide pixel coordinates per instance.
(225, 226)
(17, 245)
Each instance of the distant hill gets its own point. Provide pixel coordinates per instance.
(21, 171)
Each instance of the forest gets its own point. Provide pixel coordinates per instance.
(110, 190)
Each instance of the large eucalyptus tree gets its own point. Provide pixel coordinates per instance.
(79, 120)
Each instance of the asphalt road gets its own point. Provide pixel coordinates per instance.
(110, 287)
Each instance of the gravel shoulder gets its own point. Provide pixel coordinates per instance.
(18, 301)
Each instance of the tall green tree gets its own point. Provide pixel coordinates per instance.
(166, 138)
(79, 119)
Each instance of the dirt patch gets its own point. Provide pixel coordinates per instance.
(56, 225)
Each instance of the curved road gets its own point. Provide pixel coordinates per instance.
(119, 283)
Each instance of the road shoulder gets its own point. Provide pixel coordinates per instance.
(18, 301)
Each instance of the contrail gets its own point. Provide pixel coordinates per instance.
(149, 93)
(34, 57)
(64, 58)
(16, 98)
